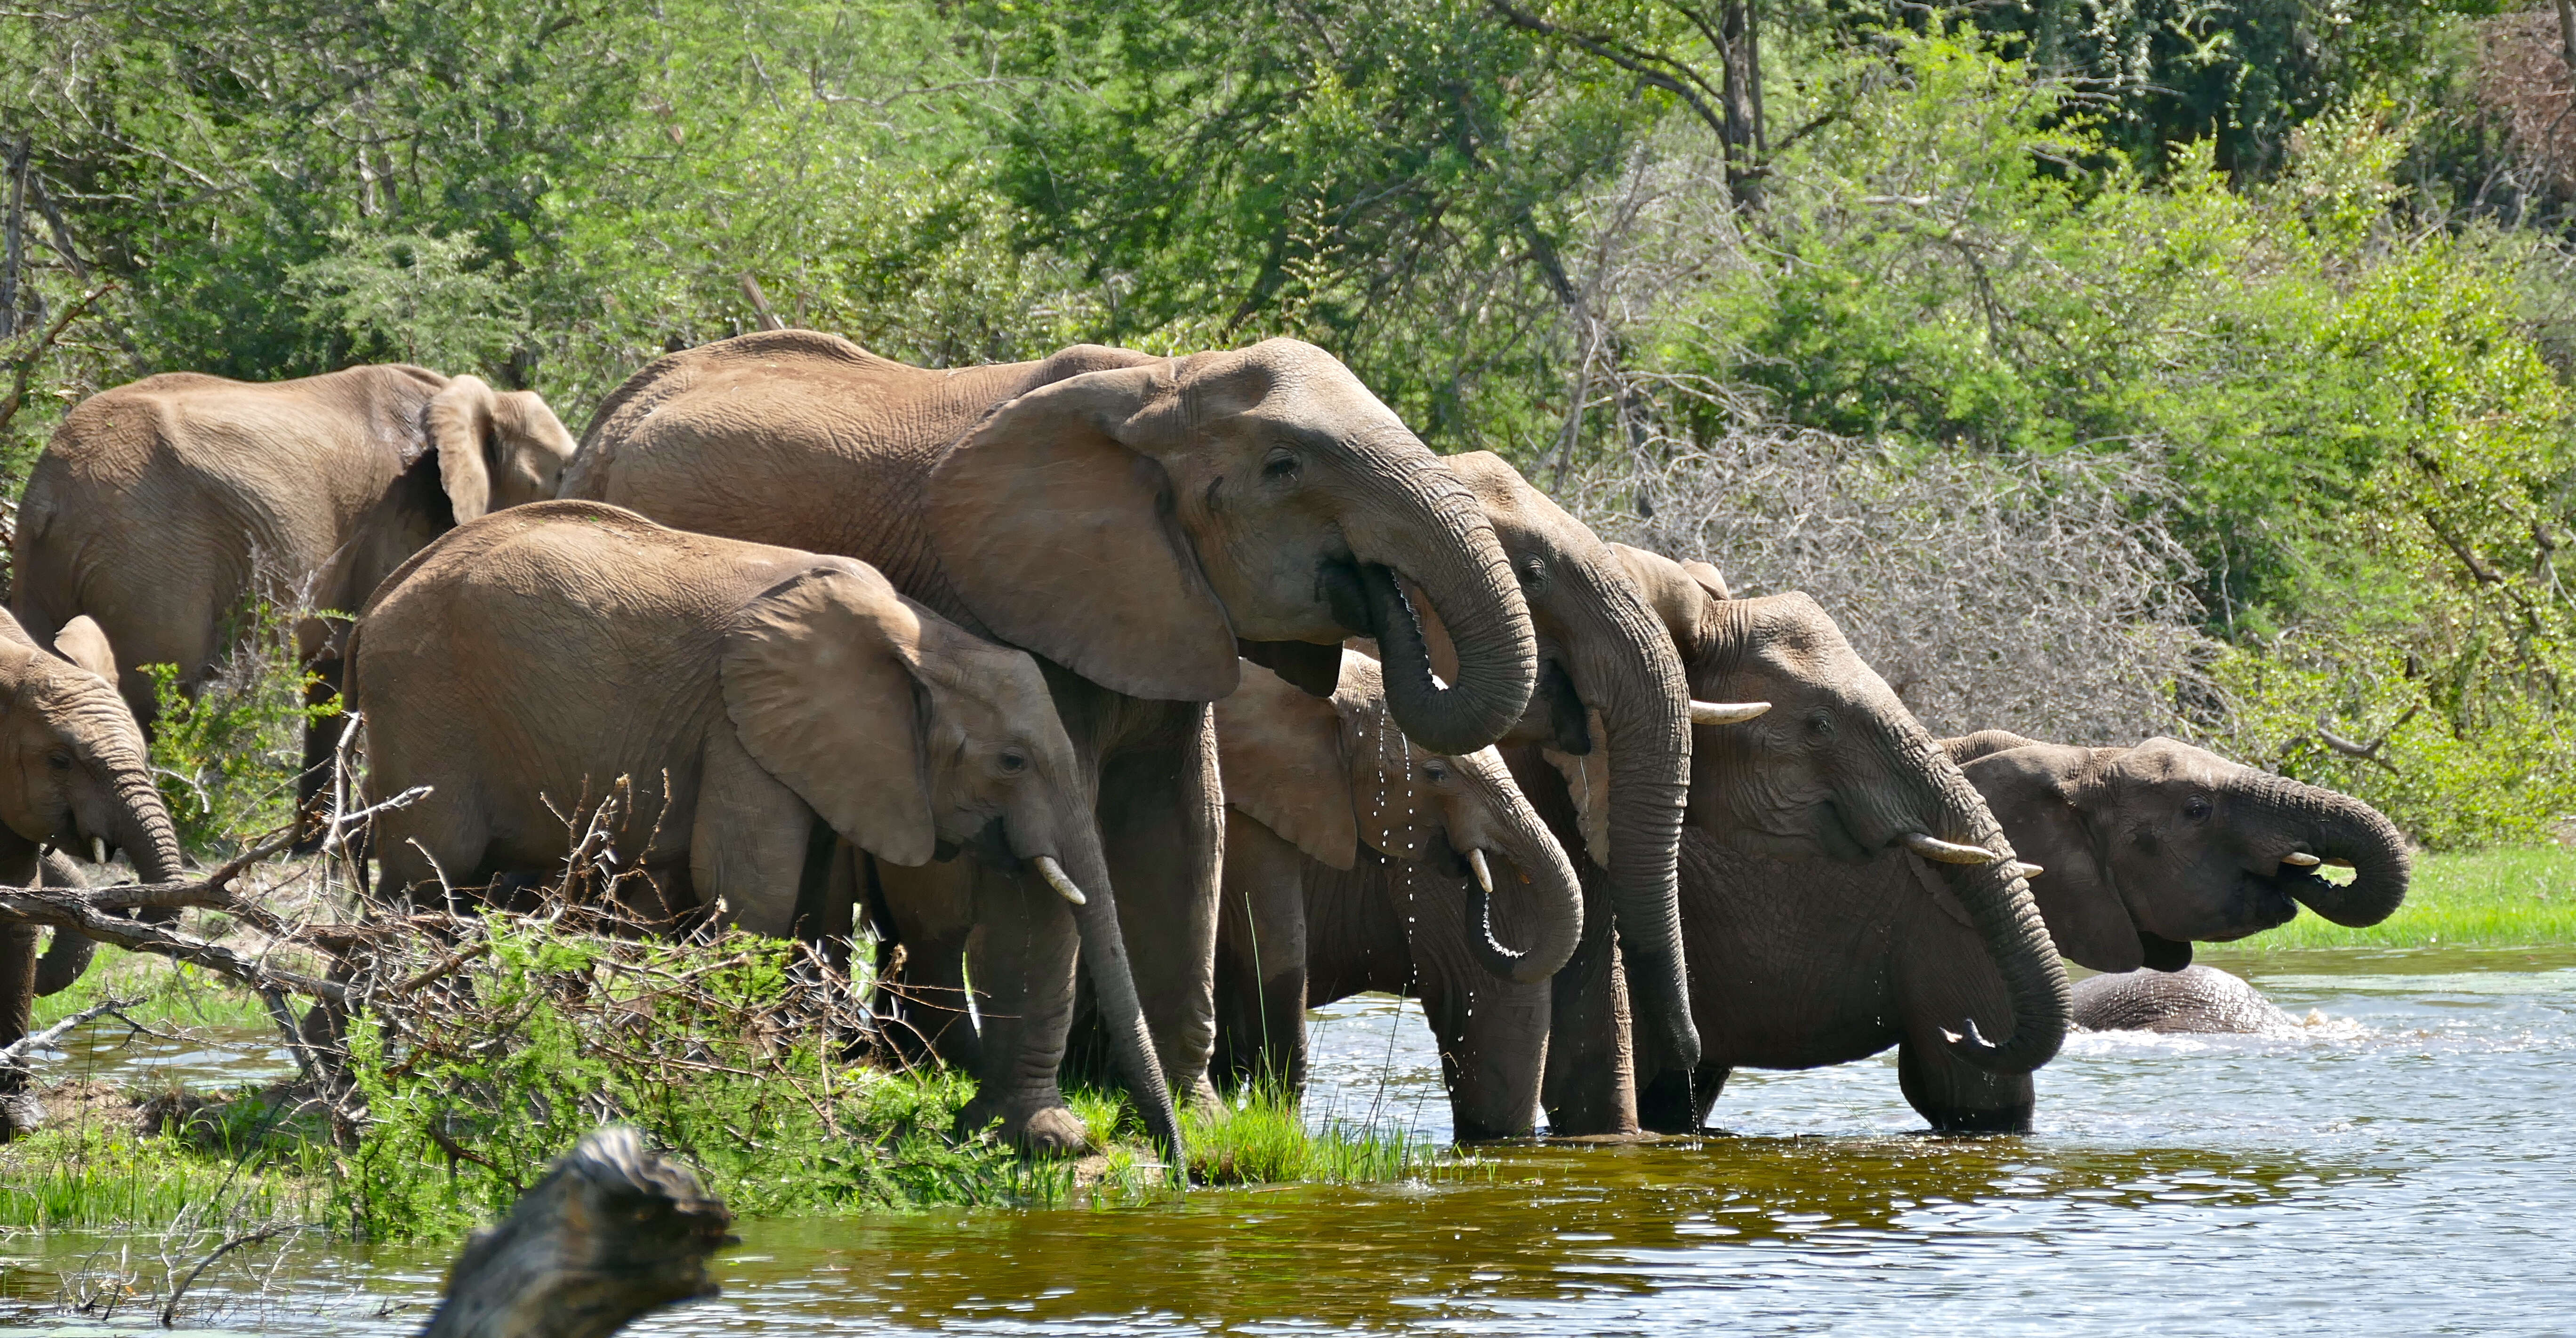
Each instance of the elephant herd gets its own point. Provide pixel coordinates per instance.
(1143, 703)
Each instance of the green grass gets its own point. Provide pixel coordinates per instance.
(105, 1177)
(174, 994)
(2523, 898)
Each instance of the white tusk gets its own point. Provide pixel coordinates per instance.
(2026, 871)
(1933, 848)
(1484, 876)
(1055, 876)
(1725, 713)
(2302, 859)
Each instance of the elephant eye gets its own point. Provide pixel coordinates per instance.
(1280, 467)
(1435, 773)
(1533, 573)
(59, 761)
(2195, 808)
(1012, 761)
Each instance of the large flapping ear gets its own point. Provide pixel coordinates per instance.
(1710, 578)
(1062, 539)
(533, 440)
(1279, 751)
(460, 422)
(2035, 792)
(1587, 782)
(83, 642)
(818, 681)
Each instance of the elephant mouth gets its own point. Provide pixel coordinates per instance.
(2257, 902)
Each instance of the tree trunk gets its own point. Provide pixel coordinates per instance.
(613, 1231)
(13, 247)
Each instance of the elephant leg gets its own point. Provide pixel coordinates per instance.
(1261, 960)
(316, 788)
(1022, 956)
(1493, 1037)
(1162, 824)
(748, 839)
(927, 913)
(19, 1110)
(1959, 1098)
(1591, 1058)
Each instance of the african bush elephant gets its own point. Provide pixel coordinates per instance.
(1134, 521)
(2197, 1000)
(1836, 766)
(160, 508)
(2142, 848)
(1608, 667)
(72, 769)
(1356, 861)
(758, 701)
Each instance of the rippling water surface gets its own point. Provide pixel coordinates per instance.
(2405, 1164)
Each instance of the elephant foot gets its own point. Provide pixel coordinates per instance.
(1202, 1097)
(20, 1113)
(2007, 1120)
(1044, 1130)
(1666, 1106)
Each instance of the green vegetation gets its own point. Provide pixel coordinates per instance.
(108, 1176)
(2513, 898)
(172, 994)
(227, 755)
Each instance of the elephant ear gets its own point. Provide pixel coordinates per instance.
(530, 434)
(1279, 752)
(2036, 792)
(1710, 578)
(1670, 591)
(83, 642)
(818, 677)
(460, 421)
(1061, 537)
(1587, 783)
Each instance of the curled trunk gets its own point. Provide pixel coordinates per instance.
(1556, 894)
(2340, 827)
(67, 957)
(141, 827)
(2008, 922)
(1441, 541)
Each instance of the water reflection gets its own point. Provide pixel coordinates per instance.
(2404, 1167)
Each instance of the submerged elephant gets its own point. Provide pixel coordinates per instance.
(72, 769)
(2143, 849)
(161, 508)
(1356, 861)
(1837, 768)
(2196, 1000)
(1136, 522)
(759, 702)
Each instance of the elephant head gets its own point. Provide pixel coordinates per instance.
(1611, 692)
(1328, 776)
(73, 766)
(908, 734)
(1134, 523)
(2150, 847)
(1839, 767)
(495, 448)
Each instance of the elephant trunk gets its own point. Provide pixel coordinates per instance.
(1440, 540)
(67, 957)
(1113, 984)
(1557, 893)
(140, 826)
(1629, 671)
(2340, 827)
(1999, 904)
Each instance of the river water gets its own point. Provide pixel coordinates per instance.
(2406, 1164)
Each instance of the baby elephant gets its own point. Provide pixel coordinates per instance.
(1356, 861)
(754, 702)
(2196, 999)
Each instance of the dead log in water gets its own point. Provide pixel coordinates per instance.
(614, 1231)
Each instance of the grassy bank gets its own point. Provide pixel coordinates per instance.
(2523, 898)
